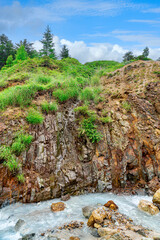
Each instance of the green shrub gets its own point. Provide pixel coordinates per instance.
(10, 160)
(20, 178)
(82, 109)
(17, 147)
(126, 106)
(21, 142)
(107, 119)
(88, 128)
(34, 117)
(49, 107)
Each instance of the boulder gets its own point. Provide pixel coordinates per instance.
(59, 206)
(148, 207)
(110, 204)
(19, 224)
(99, 214)
(156, 198)
(91, 221)
(87, 211)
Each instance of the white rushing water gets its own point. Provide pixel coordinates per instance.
(38, 216)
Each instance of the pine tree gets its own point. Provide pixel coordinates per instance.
(28, 48)
(9, 61)
(64, 52)
(21, 53)
(6, 49)
(48, 45)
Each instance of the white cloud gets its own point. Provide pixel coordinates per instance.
(143, 39)
(99, 51)
(144, 21)
(152, 10)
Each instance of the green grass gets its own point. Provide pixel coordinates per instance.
(17, 96)
(43, 80)
(126, 106)
(20, 178)
(34, 117)
(49, 107)
(90, 93)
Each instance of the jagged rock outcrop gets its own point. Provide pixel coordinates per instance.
(59, 162)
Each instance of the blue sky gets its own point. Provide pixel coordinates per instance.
(115, 25)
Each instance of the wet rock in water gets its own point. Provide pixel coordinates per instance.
(110, 204)
(156, 198)
(59, 206)
(106, 231)
(87, 211)
(19, 224)
(28, 237)
(65, 197)
(148, 207)
(99, 214)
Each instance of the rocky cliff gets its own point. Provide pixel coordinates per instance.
(60, 161)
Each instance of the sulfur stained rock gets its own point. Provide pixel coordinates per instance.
(59, 206)
(148, 207)
(110, 204)
(99, 214)
(156, 197)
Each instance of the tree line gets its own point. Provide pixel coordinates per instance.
(10, 53)
(128, 56)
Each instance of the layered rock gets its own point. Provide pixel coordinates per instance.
(59, 161)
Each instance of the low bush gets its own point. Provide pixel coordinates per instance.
(107, 119)
(21, 142)
(88, 128)
(34, 117)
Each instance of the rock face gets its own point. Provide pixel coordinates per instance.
(59, 162)
(56, 207)
(148, 207)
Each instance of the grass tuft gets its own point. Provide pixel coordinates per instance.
(34, 117)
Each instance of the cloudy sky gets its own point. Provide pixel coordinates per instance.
(92, 29)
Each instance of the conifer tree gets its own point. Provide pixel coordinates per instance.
(64, 52)
(48, 45)
(28, 47)
(21, 53)
(6, 49)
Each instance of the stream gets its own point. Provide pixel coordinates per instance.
(39, 217)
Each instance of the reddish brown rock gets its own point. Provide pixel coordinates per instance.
(59, 206)
(110, 204)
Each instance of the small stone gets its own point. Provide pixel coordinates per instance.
(156, 197)
(65, 197)
(59, 206)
